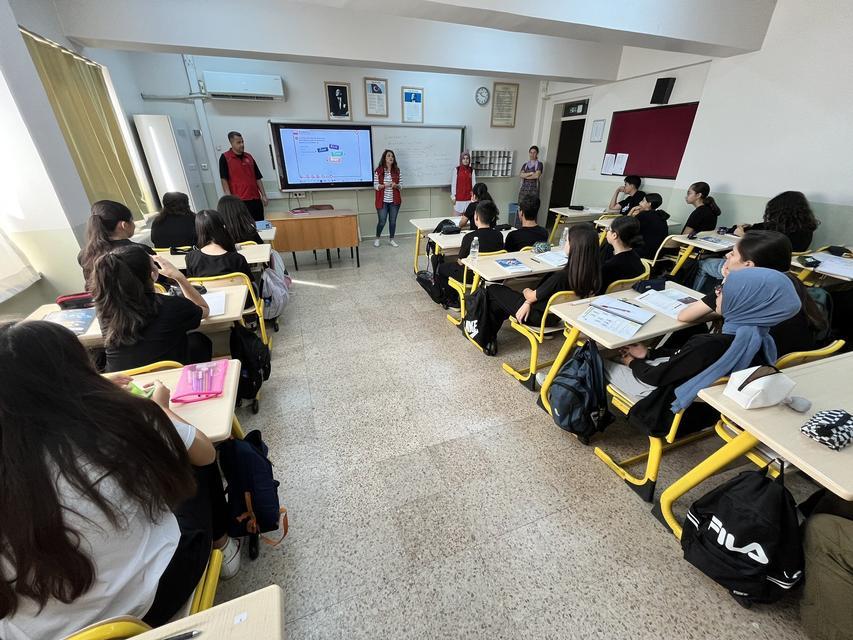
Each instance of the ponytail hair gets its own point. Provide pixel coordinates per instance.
(704, 189)
(583, 269)
(481, 191)
(120, 280)
(106, 214)
(627, 229)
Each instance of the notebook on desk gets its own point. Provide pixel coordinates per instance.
(624, 310)
(512, 265)
(78, 320)
(216, 303)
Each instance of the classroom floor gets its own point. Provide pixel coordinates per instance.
(429, 497)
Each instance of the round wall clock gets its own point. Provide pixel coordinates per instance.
(482, 96)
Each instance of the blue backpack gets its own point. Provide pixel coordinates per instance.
(252, 490)
(578, 394)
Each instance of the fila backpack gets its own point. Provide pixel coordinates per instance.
(745, 535)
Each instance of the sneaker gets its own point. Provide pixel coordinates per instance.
(540, 377)
(376, 242)
(230, 559)
(394, 243)
(454, 306)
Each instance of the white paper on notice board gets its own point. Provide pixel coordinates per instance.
(607, 166)
(619, 164)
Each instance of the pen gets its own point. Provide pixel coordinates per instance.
(626, 301)
(186, 635)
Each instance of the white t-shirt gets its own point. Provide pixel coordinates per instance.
(128, 560)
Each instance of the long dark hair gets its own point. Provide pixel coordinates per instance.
(120, 280)
(106, 214)
(382, 160)
(704, 190)
(209, 227)
(772, 250)
(481, 192)
(584, 266)
(237, 219)
(57, 415)
(175, 203)
(627, 228)
(789, 212)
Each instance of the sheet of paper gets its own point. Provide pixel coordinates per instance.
(609, 322)
(668, 302)
(722, 241)
(551, 258)
(619, 164)
(834, 265)
(623, 309)
(607, 166)
(216, 301)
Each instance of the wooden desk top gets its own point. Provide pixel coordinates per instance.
(254, 254)
(659, 325)
(827, 384)
(212, 417)
(429, 224)
(489, 270)
(588, 213)
(256, 615)
(605, 223)
(822, 255)
(454, 241)
(235, 300)
(700, 243)
(280, 216)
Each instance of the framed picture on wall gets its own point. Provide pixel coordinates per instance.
(376, 97)
(504, 104)
(338, 101)
(413, 104)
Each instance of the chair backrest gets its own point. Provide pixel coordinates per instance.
(162, 365)
(801, 357)
(667, 244)
(159, 288)
(185, 247)
(112, 629)
(621, 285)
(230, 279)
(560, 296)
(246, 243)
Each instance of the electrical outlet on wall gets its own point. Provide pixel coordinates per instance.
(297, 194)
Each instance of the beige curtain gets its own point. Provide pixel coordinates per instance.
(78, 93)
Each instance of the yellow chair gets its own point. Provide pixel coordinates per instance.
(159, 288)
(536, 336)
(602, 235)
(205, 592)
(622, 285)
(246, 243)
(229, 279)
(169, 249)
(117, 628)
(461, 288)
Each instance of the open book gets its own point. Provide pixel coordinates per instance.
(668, 302)
(609, 322)
(551, 258)
(624, 310)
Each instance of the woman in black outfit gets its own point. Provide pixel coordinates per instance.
(111, 225)
(622, 236)
(216, 254)
(174, 226)
(787, 213)
(485, 216)
(478, 192)
(238, 221)
(705, 212)
(582, 275)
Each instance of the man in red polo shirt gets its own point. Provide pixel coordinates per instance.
(241, 177)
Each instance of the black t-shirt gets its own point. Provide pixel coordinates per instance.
(163, 338)
(697, 354)
(621, 267)
(548, 286)
(703, 218)
(654, 229)
(632, 201)
(801, 239)
(469, 215)
(252, 236)
(202, 265)
(525, 237)
(490, 240)
(173, 231)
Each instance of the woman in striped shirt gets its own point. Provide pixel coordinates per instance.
(386, 182)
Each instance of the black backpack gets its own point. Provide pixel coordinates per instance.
(475, 322)
(425, 277)
(578, 394)
(254, 357)
(745, 536)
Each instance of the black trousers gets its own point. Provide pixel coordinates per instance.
(256, 208)
(202, 519)
(503, 302)
(448, 270)
(199, 348)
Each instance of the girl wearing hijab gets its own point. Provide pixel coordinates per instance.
(462, 183)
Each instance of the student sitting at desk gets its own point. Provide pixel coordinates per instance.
(623, 263)
(110, 225)
(530, 232)
(664, 381)
(787, 213)
(216, 254)
(653, 226)
(174, 226)
(631, 188)
(771, 250)
(478, 193)
(490, 240)
(238, 221)
(139, 325)
(110, 501)
(705, 209)
(582, 275)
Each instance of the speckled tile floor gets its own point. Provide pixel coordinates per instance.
(429, 497)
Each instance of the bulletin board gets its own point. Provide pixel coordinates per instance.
(654, 139)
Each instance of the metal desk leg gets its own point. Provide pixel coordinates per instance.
(687, 252)
(572, 334)
(557, 221)
(295, 264)
(417, 249)
(357, 259)
(329, 257)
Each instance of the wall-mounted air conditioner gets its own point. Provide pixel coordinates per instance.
(243, 86)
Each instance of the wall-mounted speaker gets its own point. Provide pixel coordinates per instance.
(663, 89)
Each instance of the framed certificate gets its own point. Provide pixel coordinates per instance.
(376, 97)
(504, 104)
(413, 104)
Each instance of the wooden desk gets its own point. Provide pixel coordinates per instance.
(453, 242)
(212, 417)
(815, 275)
(235, 300)
(604, 223)
(255, 616)
(254, 254)
(318, 229)
(570, 312)
(424, 226)
(827, 384)
(688, 246)
(489, 270)
(573, 216)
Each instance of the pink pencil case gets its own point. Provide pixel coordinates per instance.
(201, 381)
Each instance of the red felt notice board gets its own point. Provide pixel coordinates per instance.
(654, 138)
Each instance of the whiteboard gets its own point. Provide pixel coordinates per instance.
(426, 155)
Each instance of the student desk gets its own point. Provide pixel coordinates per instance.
(256, 615)
(314, 230)
(827, 384)
(235, 299)
(453, 242)
(814, 275)
(425, 226)
(487, 267)
(564, 215)
(700, 242)
(212, 417)
(604, 223)
(570, 312)
(254, 254)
